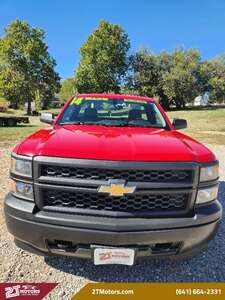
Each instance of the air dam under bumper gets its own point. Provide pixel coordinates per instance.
(55, 233)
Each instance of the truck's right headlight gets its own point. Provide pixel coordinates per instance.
(21, 166)
(207, 194)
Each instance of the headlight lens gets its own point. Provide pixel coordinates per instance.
(21, 166)
(207, 194)
(209, 173)
(23, 189)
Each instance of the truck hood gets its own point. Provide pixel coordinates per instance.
(114, 143)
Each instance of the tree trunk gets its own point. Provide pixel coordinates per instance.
(165, 103)
(178, 104)
(28, 107)
(14, 105)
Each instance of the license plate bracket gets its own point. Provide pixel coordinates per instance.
(104, 255)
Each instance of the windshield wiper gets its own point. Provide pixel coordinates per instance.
(77, 123)
(134, 124)
(70, 123)
(126, 124)
(111, 124)
(142, 125)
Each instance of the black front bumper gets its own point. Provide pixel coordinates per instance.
(42, 232)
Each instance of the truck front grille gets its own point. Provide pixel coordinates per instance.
(71, 185)
(128, 203)
(129, 175)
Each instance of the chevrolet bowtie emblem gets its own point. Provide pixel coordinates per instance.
(116, 188)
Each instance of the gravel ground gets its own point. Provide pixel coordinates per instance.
(71, 274)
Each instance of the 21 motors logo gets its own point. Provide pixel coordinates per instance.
(19, 291)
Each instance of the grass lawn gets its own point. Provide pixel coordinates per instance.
(206, 125)
(10, 134)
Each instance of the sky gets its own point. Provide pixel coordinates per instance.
(156, 25)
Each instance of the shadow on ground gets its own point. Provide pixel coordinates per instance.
(207, 266)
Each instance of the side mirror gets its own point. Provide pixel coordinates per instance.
(179, 124)
(47, 117)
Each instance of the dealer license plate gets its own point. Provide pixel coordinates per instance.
(122, 256)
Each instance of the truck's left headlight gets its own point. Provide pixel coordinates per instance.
(21, 166)
(22, 189)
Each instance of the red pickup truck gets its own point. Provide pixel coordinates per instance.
(112, 180)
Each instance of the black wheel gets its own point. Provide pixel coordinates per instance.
(11, 122)
(1, 123)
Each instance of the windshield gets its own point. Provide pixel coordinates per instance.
(112, 112)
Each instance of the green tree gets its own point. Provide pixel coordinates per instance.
(181, 83)
(146, 76)
(103, 62)
(212, 76)
(67, 89)
(172, 78)
(26, 67)
(220, 59)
